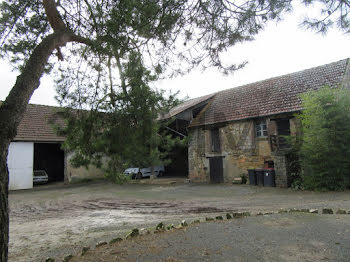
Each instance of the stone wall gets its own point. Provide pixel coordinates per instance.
(281, 170)
(240, 148)
(198, 165)
(346, 79)
(295, 126)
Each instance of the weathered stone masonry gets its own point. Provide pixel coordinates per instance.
(240, 148)
(234, 113)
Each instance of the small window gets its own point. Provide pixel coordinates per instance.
(215, 140)
(261, 128)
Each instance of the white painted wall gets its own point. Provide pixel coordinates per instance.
(20, 164)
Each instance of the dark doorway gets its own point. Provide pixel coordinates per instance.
(216, 170)
(49, 157)
(178, 156)
(283, 129)
(178, 167)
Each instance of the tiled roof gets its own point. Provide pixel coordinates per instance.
(186, 105)
(36, 124)
(268, 97)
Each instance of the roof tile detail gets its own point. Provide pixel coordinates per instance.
(36, 124)
(268, 97)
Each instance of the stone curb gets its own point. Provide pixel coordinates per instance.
(160, 227)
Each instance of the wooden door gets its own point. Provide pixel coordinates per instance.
(216, 170)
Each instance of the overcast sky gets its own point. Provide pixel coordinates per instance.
(281, 48)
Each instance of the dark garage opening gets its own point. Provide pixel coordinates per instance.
(178, 166)
(49, 157)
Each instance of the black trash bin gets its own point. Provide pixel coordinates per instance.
(269, 177)
(259, 173)
(252, 177)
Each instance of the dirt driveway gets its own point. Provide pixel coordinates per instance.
(59, 221)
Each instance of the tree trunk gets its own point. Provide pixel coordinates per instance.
(11, 113)
(4, 218)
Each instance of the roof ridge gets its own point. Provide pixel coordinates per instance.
(281, 76)
(40, 105)
(198, 97)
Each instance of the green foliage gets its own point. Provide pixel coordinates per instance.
(123, 131)
(325, 149)
(333, 13)
(22, 26)
(294, 168)
(293, 159)
(178, 34)
(116, 177)
(195, 32)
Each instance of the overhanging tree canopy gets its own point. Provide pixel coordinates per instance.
(173, 36)
(120, 129)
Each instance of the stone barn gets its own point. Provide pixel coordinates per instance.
(244, 127)
(229, 132)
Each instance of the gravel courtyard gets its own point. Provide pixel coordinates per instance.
(276, 237)
(56, 221)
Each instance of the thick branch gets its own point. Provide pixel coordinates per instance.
(121, 73)
(111, 81)
(53, 15)
(12, 110)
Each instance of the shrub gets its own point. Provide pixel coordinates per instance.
(325, 148)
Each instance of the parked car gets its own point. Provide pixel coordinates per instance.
(138, 173)
(40, 177)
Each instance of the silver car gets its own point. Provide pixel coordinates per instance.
(40, 177)
(139, 173)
